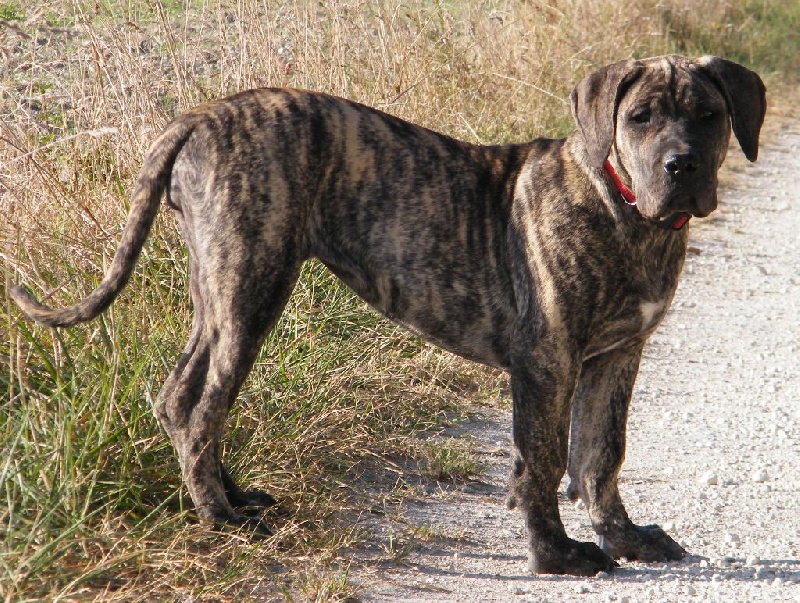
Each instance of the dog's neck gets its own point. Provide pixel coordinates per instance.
(627, 194)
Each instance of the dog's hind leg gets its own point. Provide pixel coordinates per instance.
(238, 296)
(597, 449)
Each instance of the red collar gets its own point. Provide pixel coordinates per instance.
(677, 222)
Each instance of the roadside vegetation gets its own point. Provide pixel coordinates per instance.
(340, 401)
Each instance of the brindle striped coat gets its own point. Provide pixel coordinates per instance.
(523, 257)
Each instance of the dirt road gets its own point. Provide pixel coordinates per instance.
(714, 437)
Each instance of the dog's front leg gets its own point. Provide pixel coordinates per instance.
(542, 383)
(597, 449)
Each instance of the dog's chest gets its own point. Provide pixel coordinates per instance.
(652, 312)
(635, 293)
(633, 324)
(633, 308)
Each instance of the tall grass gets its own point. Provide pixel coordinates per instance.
(93, 507)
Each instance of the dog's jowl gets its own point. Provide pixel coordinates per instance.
(553, 260)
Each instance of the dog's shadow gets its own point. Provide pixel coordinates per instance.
(687, 571)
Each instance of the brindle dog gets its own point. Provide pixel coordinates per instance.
(527, 257)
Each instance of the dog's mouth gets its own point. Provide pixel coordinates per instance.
(678, 211)
(680, 208)
(674, 221)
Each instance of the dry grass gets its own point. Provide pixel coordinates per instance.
(93, 504)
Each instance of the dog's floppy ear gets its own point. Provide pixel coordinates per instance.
(746, 97)
(594, 106)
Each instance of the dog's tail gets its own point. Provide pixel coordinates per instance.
(151, 183)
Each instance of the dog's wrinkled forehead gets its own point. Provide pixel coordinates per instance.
(673, 84)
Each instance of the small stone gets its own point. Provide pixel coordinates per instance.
(753, 560)
(760, 476)
(579, 505)
(582, 589)
(690, 590)
(709, 478)
(732, 538)
(603, 575)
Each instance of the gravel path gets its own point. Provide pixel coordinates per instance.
(714, 437)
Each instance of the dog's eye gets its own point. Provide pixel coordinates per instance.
(707, 114)
(641, 116)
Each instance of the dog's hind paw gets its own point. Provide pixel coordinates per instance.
(253, 527)
(573, 491)
(250, 500)
(244, 499)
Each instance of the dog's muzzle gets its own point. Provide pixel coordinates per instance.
(675, 221)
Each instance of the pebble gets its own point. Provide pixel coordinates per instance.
(709, 478)
(760, 476)
(582, 589)
(753, 560)
(454, 562)
(732, 538)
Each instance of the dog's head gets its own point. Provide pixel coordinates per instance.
(664, 123)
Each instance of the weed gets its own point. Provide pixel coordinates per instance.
(447, 459)
(11, 11)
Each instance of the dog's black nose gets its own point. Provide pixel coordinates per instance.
(681, 164)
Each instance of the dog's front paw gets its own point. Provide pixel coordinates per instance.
(642, 543)
(569, 557)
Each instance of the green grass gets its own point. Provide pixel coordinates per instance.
(11, 11)
(764, 34)
(447, 459)
(93, 503)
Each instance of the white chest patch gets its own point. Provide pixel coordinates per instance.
(651, 311)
